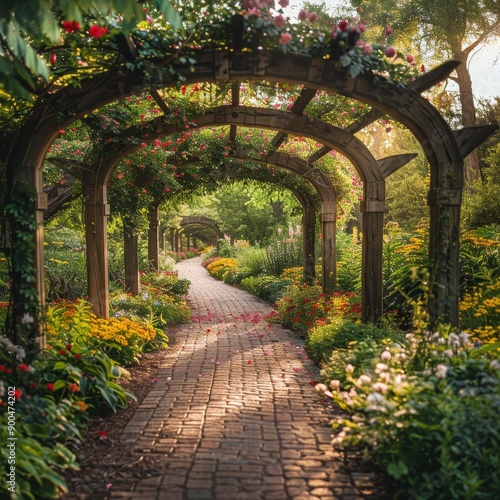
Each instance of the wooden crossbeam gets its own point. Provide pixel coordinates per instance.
(160, 101)
(72, 167)
(305, 96)
(469, 138)
(420, 84)
(390, 164)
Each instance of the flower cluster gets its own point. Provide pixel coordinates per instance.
(413, 418)
(221, 268)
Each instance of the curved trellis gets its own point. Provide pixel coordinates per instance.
(444, 149)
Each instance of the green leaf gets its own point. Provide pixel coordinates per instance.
(397, 469)
(171, 15)
(50, 26)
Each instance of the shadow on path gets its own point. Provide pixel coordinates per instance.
(233, 414)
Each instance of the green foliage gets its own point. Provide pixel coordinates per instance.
(337, 335)
(65, 273)
(416, 422)
(268, 288)
(407, 199)
(348, 261)
(284, 251)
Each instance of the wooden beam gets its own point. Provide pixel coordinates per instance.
(235, 101)
(160, 101)
(390, 164)
(470, 138)
(319, 154)
(305, 96)
(72, 167)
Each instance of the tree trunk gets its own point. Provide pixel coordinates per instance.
(472, 169)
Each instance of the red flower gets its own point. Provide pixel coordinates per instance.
(50, 386)
(343, 25)
(2, 368)
(69, 347)
(53, 58)
(23, 368)
(96, 32)
(388, 30)
(8, 371)
(34, 385)
(78, 356)
(61, 352)
(68, 26)
(18, 393)
(102, 434)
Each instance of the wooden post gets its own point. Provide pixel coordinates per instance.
(95, 212)
(444, 249)
(131, 251)
(329, 223)
(154, 238)
(309, 240)
(372, 290)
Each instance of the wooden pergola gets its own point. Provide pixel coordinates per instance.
(443, 147)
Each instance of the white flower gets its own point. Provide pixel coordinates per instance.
(376, 402)
(385, 376)
(441, 371)
(464, 339)
(381, 367)
(448, 353)
(27, 319)
(385, 356)
(349, 369)
(353, 393)
(321, 387)
(380, 387)
(495, 364)
(335, 384)
(328, 394)
(363, 379)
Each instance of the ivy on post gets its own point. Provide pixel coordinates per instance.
(25, 322)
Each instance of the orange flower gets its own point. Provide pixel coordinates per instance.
(73, 388)
(82, 405)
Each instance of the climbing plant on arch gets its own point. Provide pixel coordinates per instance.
(324, 70)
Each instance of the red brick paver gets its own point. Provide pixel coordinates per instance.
(233, 414)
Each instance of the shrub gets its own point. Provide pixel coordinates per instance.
(268, 288)
(284, 251)
(222, 267)
(339, 333)
(164, 282)
(425, 409)
(302, 306)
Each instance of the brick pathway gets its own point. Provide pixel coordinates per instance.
(233, 414)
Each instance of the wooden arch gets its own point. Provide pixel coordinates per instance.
(370, 170)
(444, 149)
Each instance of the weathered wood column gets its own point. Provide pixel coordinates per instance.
(444, 250)
(328, 247)
(154, 238)
(131, 257)
(309, 241)
(372, 289)
(96, 210)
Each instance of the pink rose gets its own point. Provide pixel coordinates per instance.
(410, 58)
(284, 3)
(285, 38)
(279, 21)
(390, 51)
(303, 15)
(388, 30)
(313, 17)
(367, 49)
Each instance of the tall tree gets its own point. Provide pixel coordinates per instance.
(442, 29)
